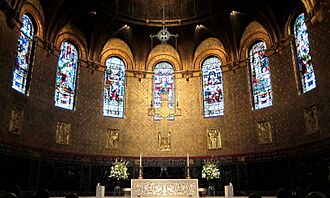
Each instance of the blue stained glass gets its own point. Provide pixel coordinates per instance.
(260, 76)
(114, 88)
(22, 68)
(163, 88)
(212, 88)
(304, 58)
(66, 76)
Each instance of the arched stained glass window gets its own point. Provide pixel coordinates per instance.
(114, 88)
(163, 87)
(260, 76)
(22, 68)
(212, 87)
(304, 58)
(66, 75)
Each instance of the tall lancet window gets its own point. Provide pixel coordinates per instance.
(23, 64)
(114, 88)
(260, 76)
(66, 76)
(212, 87)
(304, 58)
(163, 87)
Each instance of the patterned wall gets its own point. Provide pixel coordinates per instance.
(138, 133)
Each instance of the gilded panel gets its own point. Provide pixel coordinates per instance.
(62, 133)
(264, 130)
(112, 138)
(213, 138)
(164, 188)
(164, 140)
(311, 119)
(16, 121)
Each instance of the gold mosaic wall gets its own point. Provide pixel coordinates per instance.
(138, 133)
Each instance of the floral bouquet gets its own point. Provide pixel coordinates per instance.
(210, 170)
(119, 169)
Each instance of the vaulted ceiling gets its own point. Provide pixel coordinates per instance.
(101, 19)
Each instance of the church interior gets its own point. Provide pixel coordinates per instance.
(167, 87)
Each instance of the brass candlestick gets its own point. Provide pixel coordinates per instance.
(188, 173)
(140, 173)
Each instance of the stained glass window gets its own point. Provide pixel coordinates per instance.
(163, 89)
(212, 87)
(304, 58)
(260, 76)
(66, 76)
(22, 68)
(114, 88)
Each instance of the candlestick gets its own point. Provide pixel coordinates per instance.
(188, 173)
(188, 159)
(140, 167)
(140, 159)
(140, 173)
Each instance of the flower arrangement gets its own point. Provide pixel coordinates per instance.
(119, 169)
(210, 170)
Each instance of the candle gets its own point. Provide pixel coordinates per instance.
(140, 160)
(188, 159)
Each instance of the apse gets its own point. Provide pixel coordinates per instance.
(165, 89)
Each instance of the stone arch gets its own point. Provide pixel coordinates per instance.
(117, 47)
(33, 8)
(209, 47)
(71, 33)
(252, 33)
(288, 29)
(316, 9)
(163, 52)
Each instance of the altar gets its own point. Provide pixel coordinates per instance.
(164, 188)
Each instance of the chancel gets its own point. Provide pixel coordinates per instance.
(164, 98)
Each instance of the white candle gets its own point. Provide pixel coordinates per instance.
(188, 159)
(140, 160)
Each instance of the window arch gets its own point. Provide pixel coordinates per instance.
(213, 102)
(260, 76)
(114, 88)
(304, 58)
(66, 76)
(163, 88)
(24, 58)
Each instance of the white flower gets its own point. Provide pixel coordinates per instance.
(210, 171)
(119, 170)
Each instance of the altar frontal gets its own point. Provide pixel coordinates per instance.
(164, 188)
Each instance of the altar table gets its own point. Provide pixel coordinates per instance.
(164, 188)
